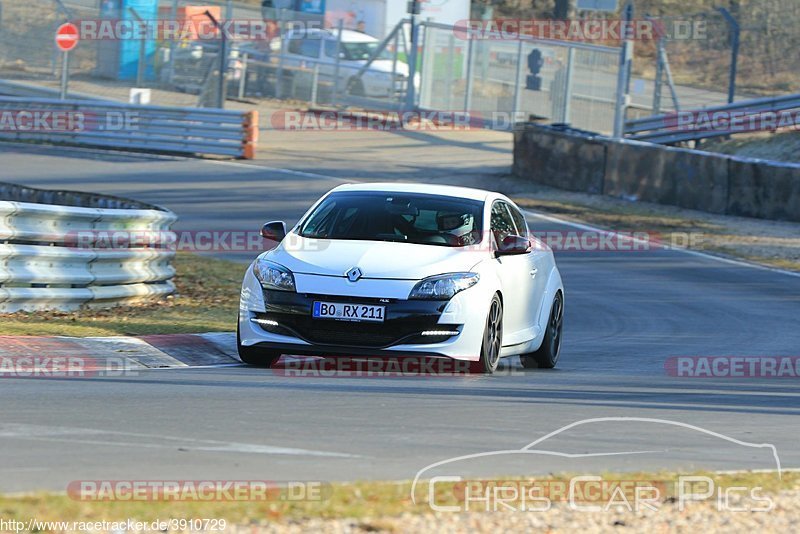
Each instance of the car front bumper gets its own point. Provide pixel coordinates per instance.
(280, 320)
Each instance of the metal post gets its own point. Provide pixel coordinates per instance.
(337, 65)
(142, 43)
(565, 113)
(422, 62)
(394, 63)
(448, 80)
(279, 71)
(243, 78)
(223, 60)
(468, 89)
(736, 30)
(659, 76)
(64, 75)
(228, 9)
(671, 83)
(223, 67)
(314, 84)
(623, 76)
(171, 71)
(518, 78)
(412, 64)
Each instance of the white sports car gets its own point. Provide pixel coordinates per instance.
(404, 270)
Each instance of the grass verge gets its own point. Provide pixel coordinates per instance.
(770, 243)
(361, 501)
(206, 300)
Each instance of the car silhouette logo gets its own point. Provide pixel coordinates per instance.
(354, 274)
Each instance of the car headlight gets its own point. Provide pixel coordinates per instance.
(273, 276)
(443, 287)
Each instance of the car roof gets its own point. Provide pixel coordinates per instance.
(444, 190)
(348, 36)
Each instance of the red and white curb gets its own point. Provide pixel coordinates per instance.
(142, 352)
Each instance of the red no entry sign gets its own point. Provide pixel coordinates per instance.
(67, 37)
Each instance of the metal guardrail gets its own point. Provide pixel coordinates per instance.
(135, 127)
(50, 256)
(17, 88)
(665, 129)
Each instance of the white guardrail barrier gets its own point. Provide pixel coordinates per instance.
(116, 125)
(49, 255)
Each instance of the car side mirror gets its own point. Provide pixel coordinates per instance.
(274, 231)
(513, 245)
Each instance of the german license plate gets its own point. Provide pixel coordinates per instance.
(348, 312)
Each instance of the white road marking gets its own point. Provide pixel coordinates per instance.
(190, 367)
(590, 228)
(291, 172)
(81, 435)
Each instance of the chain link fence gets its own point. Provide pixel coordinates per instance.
(559, 82)
(566, 83)
(699, 51)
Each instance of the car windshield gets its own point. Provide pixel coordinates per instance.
(363, 51)
(401, 217)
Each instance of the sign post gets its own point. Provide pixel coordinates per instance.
(414, 8)
(66, 40)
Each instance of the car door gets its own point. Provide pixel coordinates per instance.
(302, 51)
(515, 277)
(537, 269)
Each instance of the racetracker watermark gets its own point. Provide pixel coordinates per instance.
(64, 367)
(583, 30)
(56, 120)
(349, 121)
(733, 121)
(733, 366)
(185, 241)
(199, 490)
(253, 241)
(198, 28)
(385, 367)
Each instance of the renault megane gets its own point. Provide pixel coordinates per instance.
(404, 269)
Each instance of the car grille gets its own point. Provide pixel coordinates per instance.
(357, 334)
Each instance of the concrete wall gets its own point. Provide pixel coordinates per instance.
(715, 183)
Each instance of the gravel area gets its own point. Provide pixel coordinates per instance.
(669, 518)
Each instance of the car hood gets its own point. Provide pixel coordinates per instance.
(376, 259)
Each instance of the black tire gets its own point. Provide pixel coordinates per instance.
(355, 87)
(547, 355)
(254, 355)
(492, 338)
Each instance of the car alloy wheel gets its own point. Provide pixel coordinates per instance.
(492, 337)
(547, 355)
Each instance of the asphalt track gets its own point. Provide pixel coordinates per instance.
(627, 313)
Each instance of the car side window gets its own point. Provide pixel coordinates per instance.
(502, 225)
(305, 47)
(519, 221)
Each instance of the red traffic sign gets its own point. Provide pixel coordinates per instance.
(67, 37)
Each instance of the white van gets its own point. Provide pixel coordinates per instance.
(309, 46)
